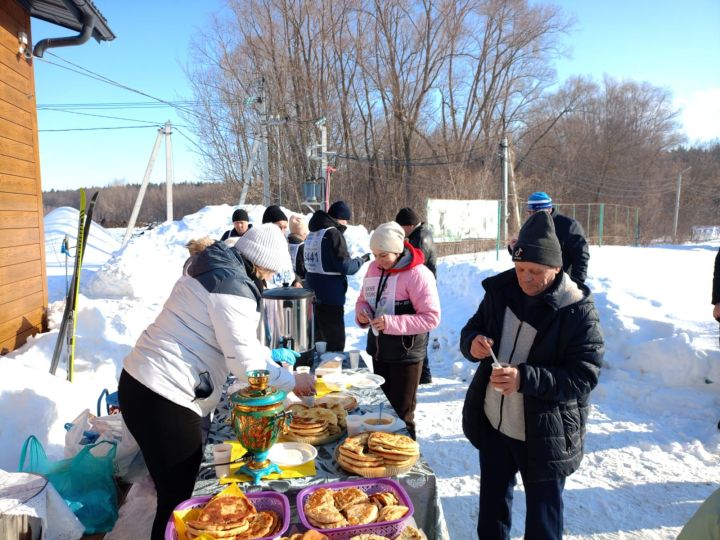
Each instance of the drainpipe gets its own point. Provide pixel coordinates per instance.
(82, 37)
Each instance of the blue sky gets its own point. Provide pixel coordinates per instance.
(669, 43)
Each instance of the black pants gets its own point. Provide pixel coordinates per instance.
(401, 384)
(330, 326)
(501, 458)
(170, 438)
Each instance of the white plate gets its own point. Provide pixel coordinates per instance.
(367, 380)
(291, 454)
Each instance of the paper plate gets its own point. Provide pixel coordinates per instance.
(367, 380)
(292, 454)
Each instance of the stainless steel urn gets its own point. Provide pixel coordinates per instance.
(288, 318)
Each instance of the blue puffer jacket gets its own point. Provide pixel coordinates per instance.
(327, 261)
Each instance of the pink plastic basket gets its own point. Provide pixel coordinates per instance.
(263, 500)
(369, 485)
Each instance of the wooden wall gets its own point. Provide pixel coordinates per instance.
(23, 284)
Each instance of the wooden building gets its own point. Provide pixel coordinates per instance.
(23, 283)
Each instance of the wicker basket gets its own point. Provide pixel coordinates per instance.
(386, 528)
(263, 500)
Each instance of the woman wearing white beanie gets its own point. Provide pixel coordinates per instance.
(399, 302)
(174, 376)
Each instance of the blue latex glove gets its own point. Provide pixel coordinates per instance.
(284, 355)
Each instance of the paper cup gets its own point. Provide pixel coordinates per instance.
(302, 369)
(354, 359)
(221, 454)
(321, 346)
(502, 365)
(355, 424)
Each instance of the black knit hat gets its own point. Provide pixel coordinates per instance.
(537, 241)
(273, 214)
(407, 216)
(339, 210)
(240, 215)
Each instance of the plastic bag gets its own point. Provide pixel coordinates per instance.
(85, 481)
(129, 462)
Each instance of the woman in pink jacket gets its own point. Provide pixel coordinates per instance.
(399, 301)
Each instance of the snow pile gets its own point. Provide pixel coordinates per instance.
(652, 451)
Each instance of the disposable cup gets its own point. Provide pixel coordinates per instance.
(354, 424)
(308, 401)
(321, 346)
(302, 369)
(354, 359)
(502, 365)
(221, 454)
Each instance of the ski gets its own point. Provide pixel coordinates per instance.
(67, 324)
(85, 236)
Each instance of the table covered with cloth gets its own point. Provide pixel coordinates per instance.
(420, 482)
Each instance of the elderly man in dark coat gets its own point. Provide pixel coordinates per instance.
(529, 416)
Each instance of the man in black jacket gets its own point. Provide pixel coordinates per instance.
(420, 237)
(241, 224)
(529, 416)
(327, 265)
(573, 244)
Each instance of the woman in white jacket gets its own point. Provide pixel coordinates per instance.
(175, 373)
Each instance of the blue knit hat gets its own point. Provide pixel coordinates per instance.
(539, 201)
(339, 210)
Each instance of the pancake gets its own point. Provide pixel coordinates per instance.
(392, 441)
(262, 524)
(320, 507)
(334, 525)
(384, 498)
(369, 537)
(410, 533)
(360, 514)
(349, 497)
(392, 512)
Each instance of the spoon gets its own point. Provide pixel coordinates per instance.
(495, 360)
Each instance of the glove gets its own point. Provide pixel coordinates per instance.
(365, 258)
(287, 356)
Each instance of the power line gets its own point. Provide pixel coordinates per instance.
(94, 128)
(106, 116)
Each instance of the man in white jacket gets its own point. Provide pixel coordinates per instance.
(175, 373)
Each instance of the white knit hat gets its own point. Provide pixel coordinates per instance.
(388, 237)
(265, 246)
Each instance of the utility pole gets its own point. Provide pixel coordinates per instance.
(677, 201)
(143, 187)
(168, 171)
(504, 157)
(324, 162)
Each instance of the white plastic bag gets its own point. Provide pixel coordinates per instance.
(129, 463)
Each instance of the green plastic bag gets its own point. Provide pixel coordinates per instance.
(86, 481)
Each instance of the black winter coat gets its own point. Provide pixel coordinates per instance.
(574, 246)
(330, 289)
(421, 238)
(562, 367)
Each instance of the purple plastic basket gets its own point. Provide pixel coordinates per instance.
(263, 500)
(369, 485)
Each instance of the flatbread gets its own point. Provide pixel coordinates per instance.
(392, 512)
(384, 498)
(262, 524)
(369, 537)
(392, 441)
(346, 497)
(360, 514)
(410, 533)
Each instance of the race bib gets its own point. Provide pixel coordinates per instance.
(386, 303)
(313, 254)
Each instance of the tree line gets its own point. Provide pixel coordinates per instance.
(418, 94)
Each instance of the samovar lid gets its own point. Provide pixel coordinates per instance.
(258, 393)
(287, 293)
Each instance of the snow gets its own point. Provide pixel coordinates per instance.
(652, 445)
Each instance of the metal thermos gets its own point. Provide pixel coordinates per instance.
(288, 319)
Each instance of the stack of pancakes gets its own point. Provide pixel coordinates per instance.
(331, 509)
(377, 453)
(314, 424)
(233, 517)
